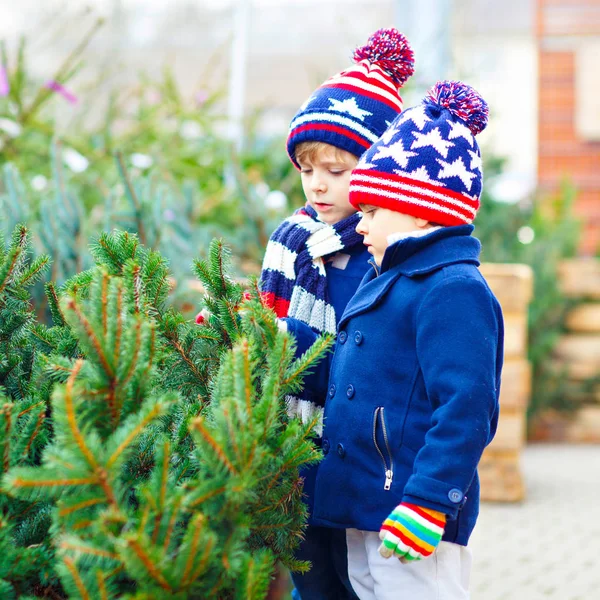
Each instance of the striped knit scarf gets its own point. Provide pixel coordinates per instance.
(294, 281)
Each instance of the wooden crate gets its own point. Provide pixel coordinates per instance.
(511, 284)
(499, 469)
(579, 348)
(515, 334)
(584, 318)
(510, 435)
(581, 427)
(515, 390)
(580, 278)
(501, 477)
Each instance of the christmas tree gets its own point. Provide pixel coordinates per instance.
(146, 456)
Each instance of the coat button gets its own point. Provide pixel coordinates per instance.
(332, 390)
(358, 338)
(342, 337)
(341, 450)
(325, 446)
(350, 391)
(455, 495)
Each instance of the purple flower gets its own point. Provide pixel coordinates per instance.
(63, 91)
(4, 85)
(201, 97)
(169, 215)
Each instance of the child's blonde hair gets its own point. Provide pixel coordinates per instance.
(309, 152)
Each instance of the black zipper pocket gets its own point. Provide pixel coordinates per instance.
(388, 464)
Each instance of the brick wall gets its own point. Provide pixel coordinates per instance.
(561, 27)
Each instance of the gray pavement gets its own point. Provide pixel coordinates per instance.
(547, 547)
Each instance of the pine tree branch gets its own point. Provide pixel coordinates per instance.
(54, 304)
(137, 288)
(102, 477)
(7, 431)
(174, 342)
(163, 490)
(287, 463)
(76, 578)
(319, 348)
(100, 579)
(156, 410)
(232, 435)
(106, 247)
(81, 548)
(28, 483)
(152, 352)
(16, 253)
(34, 435)
(207, 496)
(105, 280)
(71, 419)
(165, 474)
(144, 520)
(171, 524)
(247, 380)
(25, 411)
(34, 332)
(203, 560)
(34, 271)
(72, 305)
(119, 329)
(198, 425)
(67, 510)
(136, 352)
(151, 568)
(198, 527)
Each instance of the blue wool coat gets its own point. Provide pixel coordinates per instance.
(344, 274)
(412, 389)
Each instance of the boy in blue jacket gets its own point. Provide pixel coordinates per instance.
(315, 259)
(414, 379)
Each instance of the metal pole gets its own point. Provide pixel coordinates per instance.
(237, 74)
(427, 26)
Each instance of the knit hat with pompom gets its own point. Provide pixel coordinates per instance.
(353, 108)
(428, 164)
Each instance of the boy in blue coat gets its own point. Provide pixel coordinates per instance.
(414, 380)
(315, 259)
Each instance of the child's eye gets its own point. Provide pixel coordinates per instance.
(337, 171)
(305, 171)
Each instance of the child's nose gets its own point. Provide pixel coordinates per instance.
(317, 183)
(360, 227)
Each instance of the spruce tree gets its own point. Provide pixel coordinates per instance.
(163, 464)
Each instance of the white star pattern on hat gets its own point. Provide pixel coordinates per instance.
(386, 138)
(475, 161)
(349, 106)
(396, 152)
(416, 115)
(420, 174)
(365, 164)
(434, 139)
(456, 169)
(459, 130)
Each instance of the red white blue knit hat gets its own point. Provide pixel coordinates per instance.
(428, 164)
(353, 108)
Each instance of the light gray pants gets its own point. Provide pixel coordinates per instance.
(442, 576)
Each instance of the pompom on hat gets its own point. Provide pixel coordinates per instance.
(353, 108)
(428, 164)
